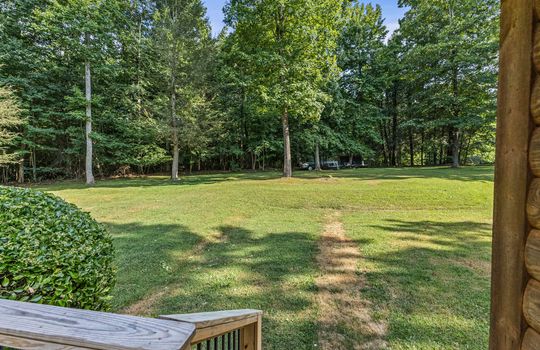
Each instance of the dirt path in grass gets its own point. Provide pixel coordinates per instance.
(345, 320)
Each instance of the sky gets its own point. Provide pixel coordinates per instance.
(391, 12)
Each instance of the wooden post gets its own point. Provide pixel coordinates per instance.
(514, 126)
(252, 335)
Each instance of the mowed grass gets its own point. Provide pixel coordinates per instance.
(250, 240)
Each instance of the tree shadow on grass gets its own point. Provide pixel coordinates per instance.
(424, 291)
(233, 269)
(483, 174)
(142, 257)
(162, 181)
(433, 283)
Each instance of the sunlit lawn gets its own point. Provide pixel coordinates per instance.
(249, 240)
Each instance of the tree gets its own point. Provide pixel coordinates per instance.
(358, 94)
(136, 86)
(290, 45)
(452, 50)
(181, 33)
(84, 31)
(10, 127)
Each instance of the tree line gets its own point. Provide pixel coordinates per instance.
(118, 87)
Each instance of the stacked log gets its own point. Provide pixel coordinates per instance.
(531, 297)
(515, 293)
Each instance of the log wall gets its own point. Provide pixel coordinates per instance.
(531, 296)
(515, 297)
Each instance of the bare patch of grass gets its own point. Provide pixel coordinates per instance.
(147, 305)
(345, 320)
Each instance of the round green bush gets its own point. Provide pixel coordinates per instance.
(53, 253)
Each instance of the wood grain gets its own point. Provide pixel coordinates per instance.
(535, 101)
(209, 319)
(531, 304)
(534, 152)
(258, 335)
(533, 204)
(531, 340)
(29, 344)
(511, 174)
(537, 9)
(214, 324)
(220, 329)
(536, 48)
(532, 254)
(249, 337)
(90, 329)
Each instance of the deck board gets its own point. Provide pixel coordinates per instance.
(90, 329)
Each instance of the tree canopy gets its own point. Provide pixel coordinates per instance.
(139, 86)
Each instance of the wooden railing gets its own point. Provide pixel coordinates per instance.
(34, 326)
(224, 330)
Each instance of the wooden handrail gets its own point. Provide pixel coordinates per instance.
(212, 325)
(35, 326)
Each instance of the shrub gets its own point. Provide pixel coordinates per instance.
(53, 253)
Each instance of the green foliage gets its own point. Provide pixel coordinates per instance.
(10, 126)
(290, 47)
(415, 97)
(51, 252)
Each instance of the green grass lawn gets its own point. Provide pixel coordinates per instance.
(250, 240)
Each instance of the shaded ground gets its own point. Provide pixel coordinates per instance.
(419, 240)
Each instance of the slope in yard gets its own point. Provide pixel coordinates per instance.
(417, 240)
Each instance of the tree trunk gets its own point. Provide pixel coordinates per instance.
(455, 149)
(174, 123)
(20, 175)
(287, 161)
(394, 155)
(351, 159)
(422, 149)
(317, 157)
(34, 166)
(88, 128)
(411, 147)
(454, 130)
(386, 145)
(176, 152)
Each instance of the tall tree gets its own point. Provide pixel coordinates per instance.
(181, 32)
(291, 45)
(360, 89)
(453, 50)
(86, 32)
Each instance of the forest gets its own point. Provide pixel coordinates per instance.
(94, 88)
